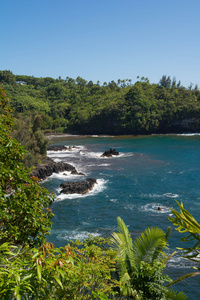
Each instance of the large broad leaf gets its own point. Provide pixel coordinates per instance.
(123, 243)
(172, 295)
(149, 245)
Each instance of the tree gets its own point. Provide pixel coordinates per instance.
(30, 268)
(37, 123)
(165, 81)
(186, 223)
(141, 263)
(7, 76)
(24, 205)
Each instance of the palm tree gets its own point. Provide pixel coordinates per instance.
(141, 263)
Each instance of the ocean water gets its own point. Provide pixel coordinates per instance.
(150, 172)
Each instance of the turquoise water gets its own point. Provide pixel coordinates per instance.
(150, 171)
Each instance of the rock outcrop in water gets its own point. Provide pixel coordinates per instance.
(110, 153)
(49, 167)
(79, 187)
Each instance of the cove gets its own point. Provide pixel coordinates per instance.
(150, 172)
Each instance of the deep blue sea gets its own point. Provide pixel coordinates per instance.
(151, 171)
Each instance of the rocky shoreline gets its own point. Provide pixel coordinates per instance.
(49, 166)
(61, 148)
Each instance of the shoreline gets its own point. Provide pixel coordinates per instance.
(58, 136)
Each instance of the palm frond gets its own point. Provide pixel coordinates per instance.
(122, 241)
(183, 278)
(172, 295)
(167, 258)
(168, 233)
(149, 245)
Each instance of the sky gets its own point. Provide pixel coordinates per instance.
(101, 40)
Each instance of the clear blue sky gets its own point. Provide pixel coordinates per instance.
(101, 39)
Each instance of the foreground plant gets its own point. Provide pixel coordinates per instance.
(25, 214)
(186, 223)
(140, 263)
(77, 271)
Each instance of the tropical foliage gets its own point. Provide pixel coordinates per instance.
(24, 204)
(78, 106)
(31, 268)
(141, 263)
(186, 223)
(76, 271)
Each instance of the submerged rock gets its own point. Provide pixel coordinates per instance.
(79, 187)
(110, 153)
(49, 167)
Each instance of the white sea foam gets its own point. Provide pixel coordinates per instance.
(98, 165)
(90, 154)
(153, 207)
(74, 149)
(98, 188)
(166, 195)
(101, 136)
(81, 151)
(65, 175)
(188, 134)
(128, 154)
(179, 262)
(76, 235)
(60, 135)
(113, 200)
(170, 195)
(57, 160)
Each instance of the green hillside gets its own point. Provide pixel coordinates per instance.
(77, 106)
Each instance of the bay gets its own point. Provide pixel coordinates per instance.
(150, 172)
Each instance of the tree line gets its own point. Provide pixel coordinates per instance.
(77, 106)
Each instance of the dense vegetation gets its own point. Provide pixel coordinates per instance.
(31, 268)
(78, 106)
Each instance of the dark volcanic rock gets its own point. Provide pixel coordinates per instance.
(49, 167)
(56, 148)
(60, 148)
(79, 187)
(110, 153)
(74, 172)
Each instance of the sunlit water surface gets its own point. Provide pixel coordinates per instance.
(150, 172)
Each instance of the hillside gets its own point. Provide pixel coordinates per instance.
(81, 107)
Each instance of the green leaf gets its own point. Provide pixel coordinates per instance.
(16, 292)
(39, 272)
(59, 282)
(172, 295)
(27, 277)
